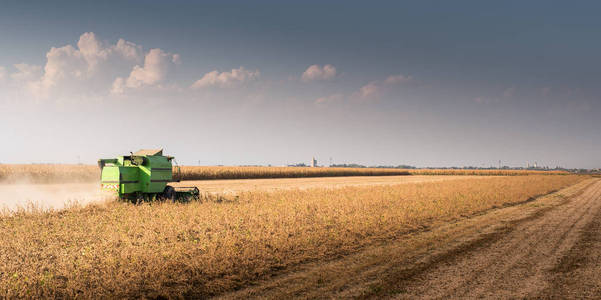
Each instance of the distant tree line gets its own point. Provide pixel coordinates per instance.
(378, 167)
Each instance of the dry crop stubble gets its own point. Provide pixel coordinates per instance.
(203, 249)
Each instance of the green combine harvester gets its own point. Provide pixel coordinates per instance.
(143, 176)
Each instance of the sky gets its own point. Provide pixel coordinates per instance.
(423, 83)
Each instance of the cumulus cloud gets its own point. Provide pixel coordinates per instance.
(225, 79)
(118, 86)
(329, 99)
(396, 79)
(369, 90)
(317, 72)
(91, 49)
(68, 67)
(128, 50)
(155, 67)
(374, 88)
(26, 72)
(62, 63)
(91, 69)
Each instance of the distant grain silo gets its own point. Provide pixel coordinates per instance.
(313, 163)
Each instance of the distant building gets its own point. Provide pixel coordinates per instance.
(313, 163)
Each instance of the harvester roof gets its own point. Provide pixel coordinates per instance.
(149, 152)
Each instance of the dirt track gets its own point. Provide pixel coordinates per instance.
(530, 258)
(547, 248)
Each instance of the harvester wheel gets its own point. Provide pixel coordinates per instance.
(169, 193)
(139, 198)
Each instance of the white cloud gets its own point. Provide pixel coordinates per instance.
(225, 79)
(92, 69)
(91, 49)
(396, 79)
(329, 99)
(154, 70)
(157, 64)
(2, 73)
(128, 50)
(374, 88)
(62, 63)
(84, 69)
(316, 72)
(369, 90)
(118, 86)
(26, 72)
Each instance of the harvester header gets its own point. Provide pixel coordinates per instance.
(143, 175)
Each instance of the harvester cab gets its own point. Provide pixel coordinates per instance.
(143, 176)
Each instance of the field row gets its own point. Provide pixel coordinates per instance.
(89, 173)
(199, 249)
(199, 173)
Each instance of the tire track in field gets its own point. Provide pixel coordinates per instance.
(520, 264)
(577, 276)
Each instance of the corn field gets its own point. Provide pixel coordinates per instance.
(56, 173)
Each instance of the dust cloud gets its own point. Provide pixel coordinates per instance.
(28, 196)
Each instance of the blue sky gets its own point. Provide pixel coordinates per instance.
(425, 83)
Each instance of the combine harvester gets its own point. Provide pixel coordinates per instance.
(143, 176)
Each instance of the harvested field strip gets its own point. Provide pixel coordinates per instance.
(91, 173)
(203, 249)
(234, 186)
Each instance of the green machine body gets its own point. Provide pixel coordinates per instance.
(142, 176)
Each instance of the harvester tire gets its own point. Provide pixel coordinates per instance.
(169, 193)
(138, 199)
